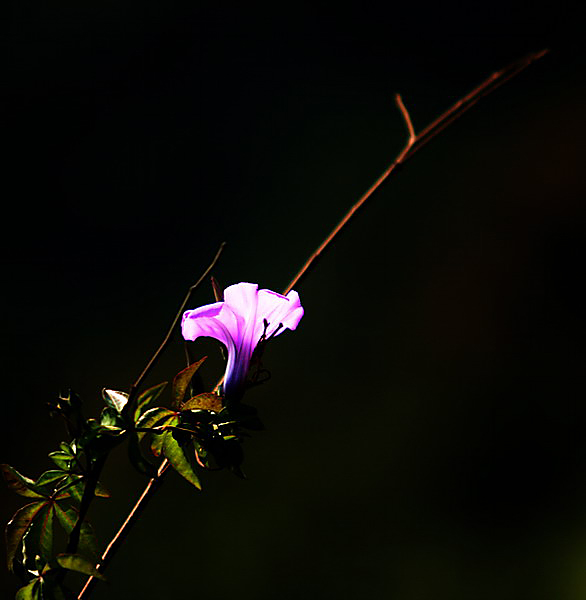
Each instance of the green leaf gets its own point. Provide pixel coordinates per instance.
(67, 448)
(61, 459)
(19, 483)
(38, 540)
(49, 480)
(102, 491)
(157, 441)
(147, 397)
(182, 380)
(114, 399)
(151, 417)
(157, 444)
(30, 591)
(110, 417)
(18, 526)
(173, 451)
(75, 562)
(75, 491)
(67, 518)
(205, 401)
(74, 484)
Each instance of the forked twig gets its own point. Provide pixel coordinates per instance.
(414, 143)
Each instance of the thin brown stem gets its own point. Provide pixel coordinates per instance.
(416, 141)
(407, 118)
(150, 489)
(167, 339)
(155, 482)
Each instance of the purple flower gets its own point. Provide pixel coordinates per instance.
(246, 316)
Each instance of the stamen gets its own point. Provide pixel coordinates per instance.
(263, 337)
(275, 332)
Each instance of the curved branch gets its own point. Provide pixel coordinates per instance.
(416, 142)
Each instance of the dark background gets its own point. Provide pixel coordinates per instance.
(425, 422)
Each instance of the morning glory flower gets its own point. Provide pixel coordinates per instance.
(245, 317)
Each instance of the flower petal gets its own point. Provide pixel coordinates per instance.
(277, 310)
(211, 320)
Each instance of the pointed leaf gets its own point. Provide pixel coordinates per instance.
(206, 401)
(75, 491)
(157, 444)
(151, 417)
(173, 451)
(147, 397)
(38, 540)
(157, 441)
(49, 480)
(73, 487)
(65, 447)
(19, 483)
(114, 399)
(30, 591)
(110, 417)
(88, 543)
(67, 518)
(102, 491)
(75, 562)
(61, 459)
(182, 380)
(18, 526)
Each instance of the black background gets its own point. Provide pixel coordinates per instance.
(425, 422)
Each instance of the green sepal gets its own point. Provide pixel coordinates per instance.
(31, 591)
(182, 379)
(18, 526)
(147, 397)
(217, 289)
(38, 539)
(151, 417)
(205, 401)
(67, 518)
(114, 399)
(173, 451)
(76, 562)
(19, 483)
